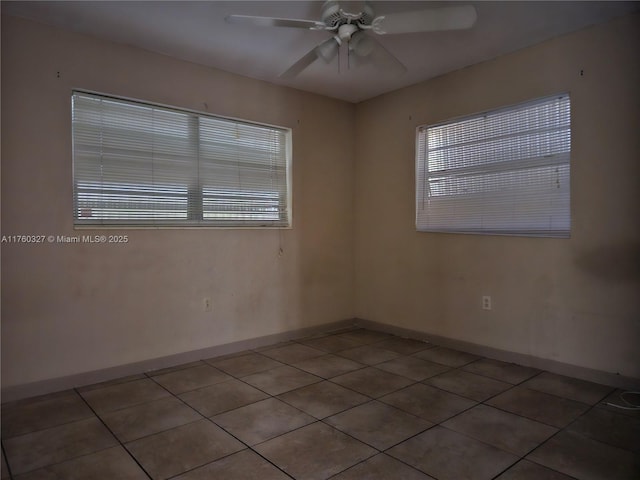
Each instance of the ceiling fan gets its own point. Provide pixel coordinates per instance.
(352, 29)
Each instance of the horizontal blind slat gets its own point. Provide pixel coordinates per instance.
(143, 164)
(506, 171)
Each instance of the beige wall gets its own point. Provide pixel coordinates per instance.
(575, 301)
(68, 309)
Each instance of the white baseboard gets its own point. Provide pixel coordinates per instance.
(553, 366)
(43, 387)
(18, 392)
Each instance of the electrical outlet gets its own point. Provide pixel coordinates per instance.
(206, 304)
(486, 302)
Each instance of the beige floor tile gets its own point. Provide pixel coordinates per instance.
(112, 463)
(372, 382)
(447, 455)
(314, 452)
(54, 445)
(117, 396)
(244, 465)
(183, 448)
(567, 387)
(381, 467)
(247, 364)
(222, 397)
(470, 385)
(428, 402)
(586, 459)
(262, 420)
(43, 412)
(404, 346)
(378, 424)
(539, 406)
(413, 368)
(280, 380)
(503, 430)
(328, 366)
(609, 427)
(368, 354)
(505, 372)
(187, 379)
(323, 399)
(526, 470)
(148, 418)
(5, 470)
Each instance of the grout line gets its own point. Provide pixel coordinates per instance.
(93, 416)
(560, 430)
(585, 413)
(210, 419)
(535, 419)
(316, 420)
(114, 435)
(6, 460)
(370, 399)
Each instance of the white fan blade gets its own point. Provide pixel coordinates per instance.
(274, 22)
(367, 49)
(327, 51)
(432, 20)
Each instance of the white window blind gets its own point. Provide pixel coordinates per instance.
(502, 172)
(141, 164)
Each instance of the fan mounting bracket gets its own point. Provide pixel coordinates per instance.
(334, 16)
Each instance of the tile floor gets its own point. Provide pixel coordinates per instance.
(350, 405)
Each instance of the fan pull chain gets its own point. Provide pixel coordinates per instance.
(348, 57)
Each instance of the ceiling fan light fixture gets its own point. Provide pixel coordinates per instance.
(327, 51)
(346, 31)
(361, 44)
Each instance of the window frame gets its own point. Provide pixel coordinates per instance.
(285, 214)
(424, 198)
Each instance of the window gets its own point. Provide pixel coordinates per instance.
(502, 172)
(146, 165)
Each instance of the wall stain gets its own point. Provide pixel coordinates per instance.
(612, 262)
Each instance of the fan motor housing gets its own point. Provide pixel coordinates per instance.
(334, 16)
(331, 13)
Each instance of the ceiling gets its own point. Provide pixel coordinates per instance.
(197, 32)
